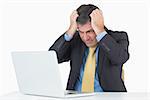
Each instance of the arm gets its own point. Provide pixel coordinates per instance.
(115, 45)
(62, 45)
(62, 48)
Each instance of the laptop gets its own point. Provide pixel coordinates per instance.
(38, 73)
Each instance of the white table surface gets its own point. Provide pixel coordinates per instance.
(100, 96)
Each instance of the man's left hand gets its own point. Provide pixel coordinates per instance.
(97, 21)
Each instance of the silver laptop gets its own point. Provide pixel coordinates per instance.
(38, 74)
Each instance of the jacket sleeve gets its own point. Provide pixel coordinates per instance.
(115, 46)
(62, 49)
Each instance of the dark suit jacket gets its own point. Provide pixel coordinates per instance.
(113, 53)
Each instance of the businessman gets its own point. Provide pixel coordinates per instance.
(96, 54)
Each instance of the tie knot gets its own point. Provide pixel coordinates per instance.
(92, 50)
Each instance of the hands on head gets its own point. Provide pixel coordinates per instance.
(73, 24)
(97, 22)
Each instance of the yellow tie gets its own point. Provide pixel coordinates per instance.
(89, 72)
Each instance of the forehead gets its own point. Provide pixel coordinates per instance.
(85, 27)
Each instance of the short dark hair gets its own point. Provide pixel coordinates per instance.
(84, 12)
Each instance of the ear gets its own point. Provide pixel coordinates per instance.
(77, 27)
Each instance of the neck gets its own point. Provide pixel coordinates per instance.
(94, 46)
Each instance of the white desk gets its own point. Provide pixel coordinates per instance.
(101, 96)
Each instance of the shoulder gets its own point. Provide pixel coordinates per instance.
(118, 34)
(76, 36)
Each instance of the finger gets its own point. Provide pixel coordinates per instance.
(97, 11)
(91, 15)
(76, 15)
(100, 11)
(93, 11)
(74, 12)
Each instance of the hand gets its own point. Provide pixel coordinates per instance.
(73, 24)
(97, 21)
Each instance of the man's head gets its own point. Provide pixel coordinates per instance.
(85, 29)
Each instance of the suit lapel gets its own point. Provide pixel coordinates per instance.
(81, 55)
(100, 60)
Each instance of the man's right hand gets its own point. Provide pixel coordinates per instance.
(73, 24)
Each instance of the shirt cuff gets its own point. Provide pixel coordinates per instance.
(67, 37)
(101, 35)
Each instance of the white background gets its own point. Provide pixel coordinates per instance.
(33, 25)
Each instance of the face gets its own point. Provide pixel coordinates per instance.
(87, 34)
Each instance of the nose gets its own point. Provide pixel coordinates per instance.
(86, 37)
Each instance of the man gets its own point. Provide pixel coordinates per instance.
(96, 54)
